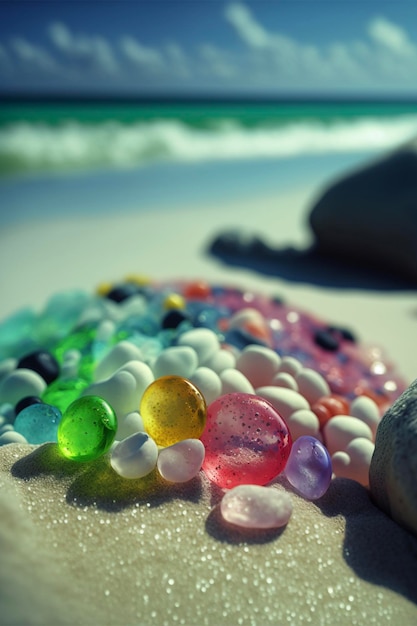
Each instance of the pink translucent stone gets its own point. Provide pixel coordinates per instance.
(246, 441)
(252, 506)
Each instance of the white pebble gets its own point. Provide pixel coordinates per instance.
(233, 381)
(304, 422)
(259, 364)
(253, 506)
(20, 383)
(203, 340)
(182, 461)
(285, 401)
(119, 391)
(290, 365)
(340, 430)
(366, 409)
(143, 376)
(129, 425)
(208, 382)
(122, 352)
(283, 379)
(11, 436)
(135, 456)
(221, 360)
(354, 463)
(311, 385)
(245, 316)
(176, 361)
(6, 367)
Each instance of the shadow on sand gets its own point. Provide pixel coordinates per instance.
(302, 266)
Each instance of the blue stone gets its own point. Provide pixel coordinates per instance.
(38, 423)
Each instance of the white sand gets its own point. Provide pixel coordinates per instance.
(168, 559)
(81, 546)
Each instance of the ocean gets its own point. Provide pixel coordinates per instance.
(91, 155)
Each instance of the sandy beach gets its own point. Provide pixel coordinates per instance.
(79, 547)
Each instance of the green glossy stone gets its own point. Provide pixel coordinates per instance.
(63, 391)
(87, 429)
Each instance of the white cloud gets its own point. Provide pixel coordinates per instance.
(250, 31)
(388, 55)
(32, 55)
(142, 56)
(217, 61)
(392, 36)
(90, 52)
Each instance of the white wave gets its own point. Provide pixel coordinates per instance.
(75, 145)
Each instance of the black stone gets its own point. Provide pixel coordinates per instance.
(119, 293)
(326, 340)
(41, 362)
(173, 318)
(25, 402)
(345, 333)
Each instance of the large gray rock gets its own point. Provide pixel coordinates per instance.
(370, 216)
(393, 470)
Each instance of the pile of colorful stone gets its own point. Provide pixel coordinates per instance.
(181, 376)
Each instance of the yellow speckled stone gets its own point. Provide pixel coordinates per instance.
(138, 279)
(173, 409)
(103, 289)
(174, 301)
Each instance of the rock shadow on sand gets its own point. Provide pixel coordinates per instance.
(376, 548)
(95, 483)
(308, 266)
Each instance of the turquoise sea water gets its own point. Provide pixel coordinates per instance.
(90, 158)
(40, 137)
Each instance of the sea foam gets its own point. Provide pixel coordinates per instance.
(73, 145)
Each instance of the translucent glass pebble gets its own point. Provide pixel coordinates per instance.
(246, 441)
(254, 506)
(63, 391)
(182, 461)
(173, 409)
(135, 456)
(309, 467)
(87, 429)
(38, 423)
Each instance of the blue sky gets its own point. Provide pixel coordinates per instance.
(210, 46)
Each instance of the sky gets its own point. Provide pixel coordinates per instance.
(255, 47)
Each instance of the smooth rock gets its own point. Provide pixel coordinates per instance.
(221, 360)
(182, 461)
(283, 379)
(290, 365)
(259, 364)
(285, 401)
(208, 382)
(19, 384)
(253, 506)
(234, 381)
(304, 422)
(370, 216)
(122, 352)
(11, 436)
(176, 361)
(129, 425)
(311, 385)
(366, 409)
(203, 340)
(393, 471)
(135, 456)
(356, 466)
(340, 430)
(6, 367)
(120, 391)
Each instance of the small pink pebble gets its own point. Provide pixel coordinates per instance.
(181, 461)
(253, 506)
(246, 441)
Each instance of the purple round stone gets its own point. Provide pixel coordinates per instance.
(309, 467)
